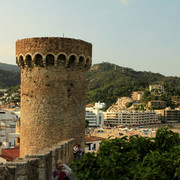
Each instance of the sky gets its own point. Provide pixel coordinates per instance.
(140, 34)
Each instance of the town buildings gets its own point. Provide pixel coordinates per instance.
(125, 117)
(92, 143)
(137, 95)
(156, 88)
(157, 104)
(120, 104)
(118, 114)
(172, 115)
(9, 123)
(169, 115)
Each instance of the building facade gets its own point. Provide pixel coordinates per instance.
(120, 104)
(130, 118)
(156, 88)
(172, 115)
(137, 95)
(8, 124)
(94, 115)
(157, 104)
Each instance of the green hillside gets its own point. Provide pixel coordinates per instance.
(8, 67)
(106, 82)
(9, 78)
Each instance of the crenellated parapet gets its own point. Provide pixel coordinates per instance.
(43, 52)
(62, 59)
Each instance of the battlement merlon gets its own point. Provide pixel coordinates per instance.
(53, 51)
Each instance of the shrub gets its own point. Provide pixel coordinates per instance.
(134, 158)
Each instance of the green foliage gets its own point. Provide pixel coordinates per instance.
(86, 123)
(9, 79)
(166, 139)
(13, 89)
(1, 94)
(135, 158)
(129, 104)
(9, 67)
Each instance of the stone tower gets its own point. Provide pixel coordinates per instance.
(53, 90)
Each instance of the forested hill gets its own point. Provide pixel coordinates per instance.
(106, 82)
(9, 75)
(9, 67)
(9, 78)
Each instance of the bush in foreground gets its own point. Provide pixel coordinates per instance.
(138, 158)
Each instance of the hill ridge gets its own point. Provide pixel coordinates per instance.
(106, 82)
(9, 67)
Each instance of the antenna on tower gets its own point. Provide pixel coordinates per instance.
(63, 35)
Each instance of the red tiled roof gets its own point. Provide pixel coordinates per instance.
(93, 138)
(10, 154)
(90, 105)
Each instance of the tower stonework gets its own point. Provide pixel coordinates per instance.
(53, 91)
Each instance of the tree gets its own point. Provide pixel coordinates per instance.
(86, 123)
(136, 158)
(129, 104)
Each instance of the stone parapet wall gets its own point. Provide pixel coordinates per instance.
(54, 45)
(38, 166)
(52, 51)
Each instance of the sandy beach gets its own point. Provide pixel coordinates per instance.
(113, 133)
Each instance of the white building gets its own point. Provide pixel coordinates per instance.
(8, 123)
(94, 115)
(3, 90)
(130, 117)
(92, 143)
(120, 104)
(137, 95)
(7, 115)
(156, 88)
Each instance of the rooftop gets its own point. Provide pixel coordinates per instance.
(93, 138)
(10, 154)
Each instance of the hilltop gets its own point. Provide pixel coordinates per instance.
(106, 82)
(9, 67)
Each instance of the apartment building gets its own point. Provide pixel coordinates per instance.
(156, 88)
(137, 95)
(8, 125)
(130, 117)
(169, 115)
(120, 104)
(157, 104)
(172, 115)
(94, 115)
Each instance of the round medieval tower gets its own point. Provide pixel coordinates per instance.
(53, 90)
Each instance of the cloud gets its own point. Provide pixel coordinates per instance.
(123, 2)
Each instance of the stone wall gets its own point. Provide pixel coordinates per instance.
(54, 45)
(53, 91)
(38, 166)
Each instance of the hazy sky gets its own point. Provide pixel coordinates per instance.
(140, 34)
